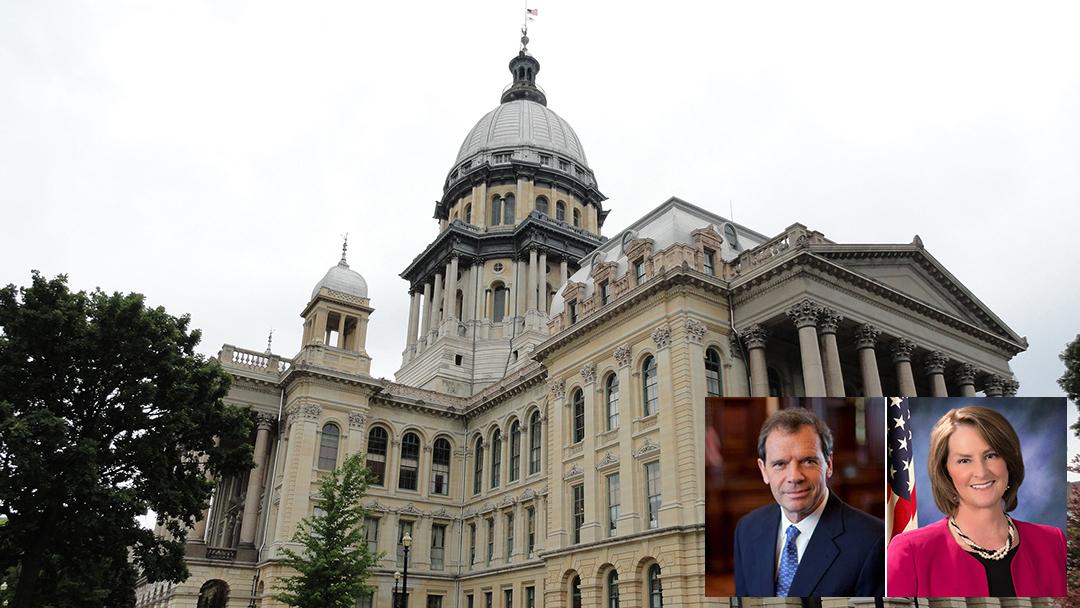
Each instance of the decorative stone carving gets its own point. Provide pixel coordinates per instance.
(995, 385)
(646, 448)
(755, 336)
(507, 501)
(356, 420)
(965, 373)
(529, 493)
(558, 389)
(734, 346)
(265, 421)
(934, 362)
(866, 336)
(804, 313)
(607, 460)
(623, 355)
(662, 336)
(1010, 387)
(442, 514)
(376, 506)
(588, 373)
(410, 509)
(828, 321)
(695, 331)
(311, 411)
(901, 349)
(575, 471)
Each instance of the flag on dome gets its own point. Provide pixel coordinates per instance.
(900, 515)
(532, 12)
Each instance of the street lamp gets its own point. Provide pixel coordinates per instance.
(406, 541)
(397, 598)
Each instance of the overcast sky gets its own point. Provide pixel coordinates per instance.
(210, 154)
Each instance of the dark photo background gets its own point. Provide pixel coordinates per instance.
(1041, 425)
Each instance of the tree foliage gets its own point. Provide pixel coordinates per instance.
(106, 412)
(334, 566)
(1072, 534)
(1070, 380)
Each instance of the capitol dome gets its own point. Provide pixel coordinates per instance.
(523, 123)
(342, 279)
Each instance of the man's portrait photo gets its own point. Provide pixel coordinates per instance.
(794, 498)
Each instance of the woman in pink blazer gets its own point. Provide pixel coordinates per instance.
(976, 468)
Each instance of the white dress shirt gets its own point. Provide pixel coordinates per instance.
(806, 530)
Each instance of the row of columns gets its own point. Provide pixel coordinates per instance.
(520, 512)
(820, 358)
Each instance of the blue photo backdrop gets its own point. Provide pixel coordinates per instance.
(1041, 425)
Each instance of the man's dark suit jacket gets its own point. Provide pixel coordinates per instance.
(845, 557)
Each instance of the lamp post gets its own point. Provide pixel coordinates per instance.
(406, 541)
(397, 579)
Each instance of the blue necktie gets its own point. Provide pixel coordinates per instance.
(789, 563)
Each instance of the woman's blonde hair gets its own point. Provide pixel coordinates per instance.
(995, 430)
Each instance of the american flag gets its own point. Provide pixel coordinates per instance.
(901, 514)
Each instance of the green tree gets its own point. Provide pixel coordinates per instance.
(1070, 380)
(334, 566)
(106, 412)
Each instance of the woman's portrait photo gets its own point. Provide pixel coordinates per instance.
(990, 491)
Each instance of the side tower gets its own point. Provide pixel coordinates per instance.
(335, 322)
(520, 208)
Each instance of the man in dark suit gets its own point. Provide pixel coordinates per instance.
(810, 543)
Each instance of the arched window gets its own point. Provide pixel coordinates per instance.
(575, 592)
(440, 467)
(578, 399)
(542, 205)
(534, 443)
(468, 213)
(712, 373)
(560, 211)
(498, 303)
(496, 210)
(650, 396)
(656, 593)
(410, 462)
(613, 589)
(328, 445)
(496, 457)
(577, 217)
(213, 594)
(376, 455)
(611, 401)
(478, 466)
(508, 209)
(515, 450)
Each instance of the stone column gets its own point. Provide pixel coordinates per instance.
(670, 513)
(934, 367)
(995, 385)
(1010, 387)
(530, 281)
(629, 514)
(901, 354)
(254, 483)
(479, 302)
(695, 351)
(754, 338)
(414, 317)
(451, 288)
(541, 284)
(297, 470)
(804, 314)
(591, 529)
(965, 377)
(834, 377)
(552, 467)
(426, 323)
(736, 385)
(436, 302)
(866, 337)
(563, 276)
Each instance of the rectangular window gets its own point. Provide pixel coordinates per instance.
(438, 546)
(613, 502)
(710, 257)
(639, 271)
(404, 527)
(366, 600)
(434, 601)
(472, 544)
(371, 534)
(487, 599)
(578, 510)
(573, 312)
(605, 295)
(652, 489)
(509, 536)
(530, 597)
(469, 601)
(490, 540)
(508, 598)
(530, 514)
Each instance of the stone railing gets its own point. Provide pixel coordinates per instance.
(795, 236)
(220, 553)
(269, 363)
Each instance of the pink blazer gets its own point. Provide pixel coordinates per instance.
(927, 562)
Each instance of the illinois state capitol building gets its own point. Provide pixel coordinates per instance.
(543, 442)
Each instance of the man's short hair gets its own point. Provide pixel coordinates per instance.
(998, 434)
(790, 421)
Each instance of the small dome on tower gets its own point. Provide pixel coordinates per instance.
(342, 279)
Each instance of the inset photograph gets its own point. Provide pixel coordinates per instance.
(977, 492)
(794, 497)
